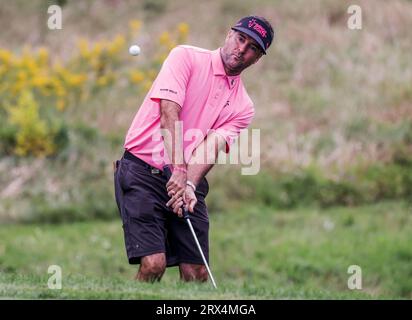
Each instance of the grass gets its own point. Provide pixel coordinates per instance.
(325, 96)
(256, 253)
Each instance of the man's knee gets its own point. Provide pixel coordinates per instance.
(156, 268)
(152, 267)
(193, 272)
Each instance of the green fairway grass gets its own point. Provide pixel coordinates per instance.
(256, 253)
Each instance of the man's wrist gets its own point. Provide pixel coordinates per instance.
(191, 184)
(180, 168)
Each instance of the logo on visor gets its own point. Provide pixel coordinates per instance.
(256, 26)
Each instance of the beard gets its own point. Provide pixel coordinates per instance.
(232, 62)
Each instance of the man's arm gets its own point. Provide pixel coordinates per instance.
(173, 141)
(202, 160)
(204, 157)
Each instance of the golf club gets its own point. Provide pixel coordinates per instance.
(168, 174)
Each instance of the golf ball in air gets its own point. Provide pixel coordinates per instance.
(134, 50)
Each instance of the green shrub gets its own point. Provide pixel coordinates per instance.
(311, 187)
(94, 204)
(33, 134)
(7, 138)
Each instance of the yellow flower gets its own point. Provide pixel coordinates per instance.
(6, 57)
(61, 91)
(102, 81)
(134, 25)
(17, 87)
(136, 76)
(97, 49)
(183, 31)
(33, 135)
(21, 76)
(83, 46)
(164, 38)
(105, 80)
(116, 45)
(40, 81)
(76, 80)
(3, 70)
(183, 28)
(42, 56)
(30, 64)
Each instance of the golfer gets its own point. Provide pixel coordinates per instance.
(196, 107)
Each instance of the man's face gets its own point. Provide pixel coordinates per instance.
(239, 52)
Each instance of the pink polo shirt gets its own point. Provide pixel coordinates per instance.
(195, 79)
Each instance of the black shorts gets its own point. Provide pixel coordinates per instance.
(149, 226)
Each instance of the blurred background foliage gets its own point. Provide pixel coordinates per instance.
(333, 105)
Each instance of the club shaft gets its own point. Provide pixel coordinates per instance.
(168, 173)
(201, 252)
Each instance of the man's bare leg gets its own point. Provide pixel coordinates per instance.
(193, 272)
(152, 268)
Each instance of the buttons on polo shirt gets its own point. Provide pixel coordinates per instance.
(232, 83)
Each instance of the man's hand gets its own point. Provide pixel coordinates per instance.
(175, 189)
(189, 202)
(190, 199)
